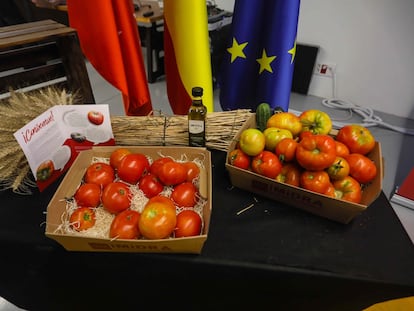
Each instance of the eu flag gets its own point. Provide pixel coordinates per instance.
(259, 61)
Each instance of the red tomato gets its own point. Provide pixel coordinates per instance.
(125, 225)
(88, 195)
(239, 159)
(150, 185)
(266, 163)
(99, 173)
(158, 219)
(172, 173)
(339, 169)
(193, 171)
(348, 189)
(304, 134)
(341, 149)
(316, 152)
(132, 167)
(185, 194)
(286, 149)
(317, 181)
(116, 197)
(362, 168)
(95, 117)
(117, 155)
(330, 192)
(290, 174)
(158, 163)
(188, 224)
(82, 218)
(358, 138)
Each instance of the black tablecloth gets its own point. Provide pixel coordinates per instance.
(271, 254)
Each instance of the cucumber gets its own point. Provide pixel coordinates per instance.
(263, 113)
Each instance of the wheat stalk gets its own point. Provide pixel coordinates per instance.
(15, 112)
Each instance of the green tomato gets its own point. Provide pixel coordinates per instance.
(252, 141)
(274, 135)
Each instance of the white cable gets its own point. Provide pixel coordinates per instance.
(369, 119)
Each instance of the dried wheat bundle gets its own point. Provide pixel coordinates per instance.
(15, 112)
(161, 130)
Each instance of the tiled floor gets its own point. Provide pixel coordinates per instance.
(105, 93)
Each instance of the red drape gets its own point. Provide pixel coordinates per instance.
(109, 38)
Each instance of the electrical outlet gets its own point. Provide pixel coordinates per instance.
(325, 69)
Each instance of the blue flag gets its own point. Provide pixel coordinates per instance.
(259, 61)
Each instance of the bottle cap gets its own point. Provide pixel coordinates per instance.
(197, 91)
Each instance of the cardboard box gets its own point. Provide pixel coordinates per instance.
(334, 209)
(68, 186)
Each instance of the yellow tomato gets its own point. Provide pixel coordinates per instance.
(285, 120)
(316, 121)
(273, 136)
(252, 141)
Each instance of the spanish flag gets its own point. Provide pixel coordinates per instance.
(109, 38)
(187, 58)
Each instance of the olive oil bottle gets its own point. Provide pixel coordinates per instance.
(197, 119)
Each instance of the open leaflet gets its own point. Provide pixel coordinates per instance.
(52, 140)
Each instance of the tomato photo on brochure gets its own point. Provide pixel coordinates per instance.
(125, 225)
(99, 173)
(357, 138)
(185, 194)
(116, 197)
(316, 152)
(132, 167)
(88, 194)
(150, 185)
(189, 223)
(239, 159)
(267, 164)
(45, 170)
(82, 218)
(95, 117)
(158, 218)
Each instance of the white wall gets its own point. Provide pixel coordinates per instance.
(372, 43)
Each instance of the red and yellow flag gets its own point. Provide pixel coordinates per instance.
(187, 58)
(109, 38)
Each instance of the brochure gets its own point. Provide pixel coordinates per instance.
(52, 141)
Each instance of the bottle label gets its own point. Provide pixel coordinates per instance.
(196, 126)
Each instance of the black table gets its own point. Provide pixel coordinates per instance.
(271, 255)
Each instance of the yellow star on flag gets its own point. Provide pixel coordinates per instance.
(236, 50)
(265, 61)
(292, 52)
